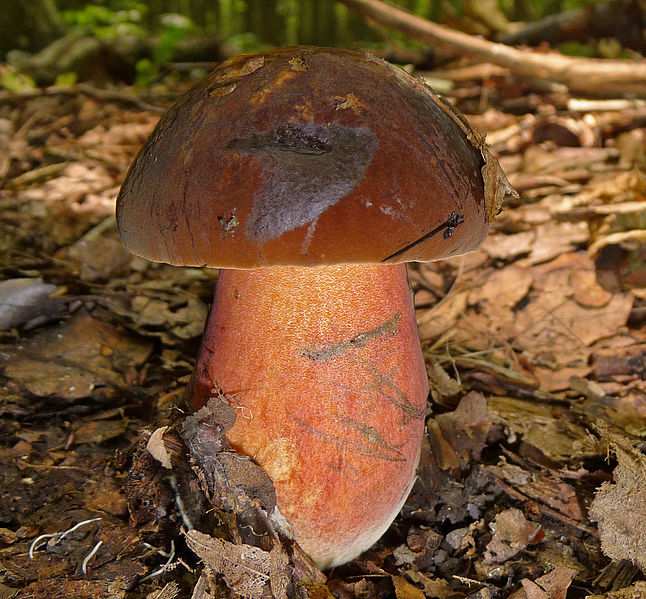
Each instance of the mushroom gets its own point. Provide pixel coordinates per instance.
(310, 176)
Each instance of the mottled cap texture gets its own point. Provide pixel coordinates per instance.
(309, 156)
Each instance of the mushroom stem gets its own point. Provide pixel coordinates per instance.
(324, 368)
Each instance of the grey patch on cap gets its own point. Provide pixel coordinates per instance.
(306, 168)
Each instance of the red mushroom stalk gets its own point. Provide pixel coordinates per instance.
(313, 174)
(325, 368)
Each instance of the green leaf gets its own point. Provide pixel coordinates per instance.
(16, 82)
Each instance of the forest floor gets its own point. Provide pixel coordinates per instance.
(535, 347)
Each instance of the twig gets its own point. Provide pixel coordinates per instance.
(615, 105)
(583, 75)
(81, 88)
(546, 510)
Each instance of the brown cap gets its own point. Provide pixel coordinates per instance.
(306, 156)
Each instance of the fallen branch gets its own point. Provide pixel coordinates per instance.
(623, 20)
(90, 56)
(85, 89)
(598, 77)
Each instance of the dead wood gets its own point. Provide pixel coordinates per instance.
(91, 57)
(111, 95)
(624, 20)
(596, 77)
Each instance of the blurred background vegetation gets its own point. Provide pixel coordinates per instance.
(125, 28)
(247, 24)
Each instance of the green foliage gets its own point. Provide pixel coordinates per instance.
(146, 71)
(16, 82)
(105, 22)
(246, 42)
(250, 25)
(126, 17)
(173, 28)
(574, 48)
(290, 12)
(65, 80)
(231, 15)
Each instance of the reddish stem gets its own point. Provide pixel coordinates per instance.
(325, 369)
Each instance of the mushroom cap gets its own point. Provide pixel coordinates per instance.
(308, 156)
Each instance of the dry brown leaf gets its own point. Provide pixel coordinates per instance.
(100, 259)
(541, 426)
(245, 569)
(505, 287)
(635, 591)
(100, 431)
(406, 590)
(551, 241)
(554, 323)
(157, 449)
(543, 243)
(558, 378)
(202, 589)
(466, 428)
(71, 359)
(545, 488)
(185, 322)
(512, 533)
(532, 590)
(553, 585)
(620, 508)
(440, 382)
(170, 591)
(587, 291)
(507, 247)
(498, 296)
(614, 188)
(444, 454)
(443, 316)
(433, 587)
(278, 579)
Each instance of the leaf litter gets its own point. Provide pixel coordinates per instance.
(532, 471)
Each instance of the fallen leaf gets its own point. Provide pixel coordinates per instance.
(634, 591)
(157, 448)
(100, 431)
(532, 590)
(202, 589)
(507, 247)
(619, 508)
(406, 590)
(170, 591)
(245, 569)
(433, 587)
(540, 425)
(512, 533)
(100, 259)
(73, 358)
(553, 585)
(442, 317)
(587, 291)
(466, 428)
(441, 384)
(505, 287)
(545, 488)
